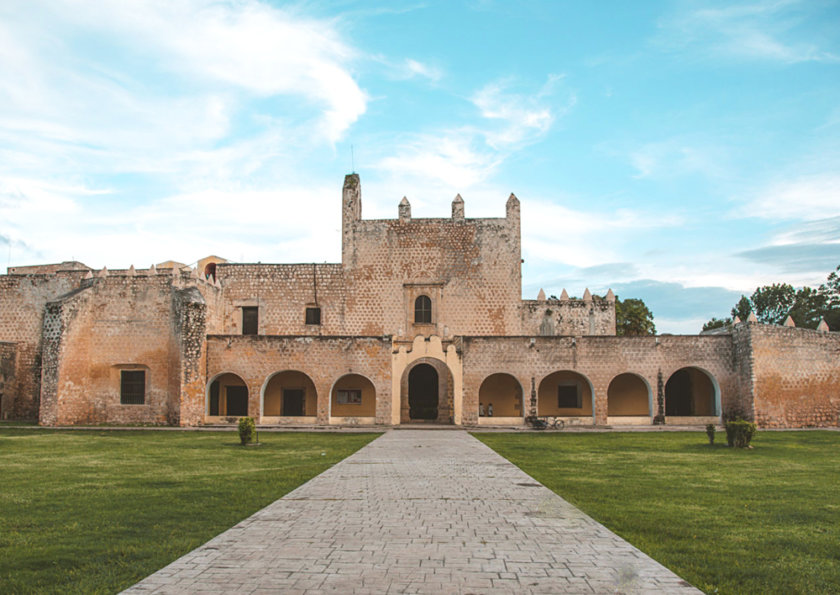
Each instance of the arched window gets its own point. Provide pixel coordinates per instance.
(423, 310)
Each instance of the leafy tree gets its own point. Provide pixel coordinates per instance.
(633, 318)
(717, 323)
(830, 290)
(772, 303)
(809, 306)
(742, 309)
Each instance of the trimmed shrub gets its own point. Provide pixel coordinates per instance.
(710, 432)
(739, 433)
(247, 427)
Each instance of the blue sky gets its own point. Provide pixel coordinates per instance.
(680, 152)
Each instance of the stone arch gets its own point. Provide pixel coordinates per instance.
(692, 391)
(289, 393)
(349, 384)
(226, 396)
(559, 391)
(629, 399)
(505, 394)
(445, 388)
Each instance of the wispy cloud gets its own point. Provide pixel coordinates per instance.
(676, 157)
(412, 68)
(757, 30)
(140, 79)
(805, 198)
(463, 156)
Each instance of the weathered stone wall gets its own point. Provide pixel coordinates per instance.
(22, 301)
(470, 268)
(8, 353)
(111, 324)
(575, 317)
(323, 359)
(599, 360)
(282, 293)
(795, 375)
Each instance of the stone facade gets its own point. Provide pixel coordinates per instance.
(422, 321)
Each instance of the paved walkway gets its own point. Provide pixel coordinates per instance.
(417, 511)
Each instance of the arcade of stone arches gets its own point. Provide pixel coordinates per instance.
(426, 395)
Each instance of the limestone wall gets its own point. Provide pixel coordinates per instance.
(111, 324)
(323, 359)
(470, 268)
(794, 373)
(22, 300)
(574, 317)
(282, 293)
(599, 360)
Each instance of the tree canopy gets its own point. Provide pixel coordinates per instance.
(633, 318)
(772, 304)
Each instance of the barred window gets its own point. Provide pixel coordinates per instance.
(313, 316)
(568, 397)
(250, 320)
(132, 387)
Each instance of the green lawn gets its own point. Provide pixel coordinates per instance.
(95, 511)
(727, 520)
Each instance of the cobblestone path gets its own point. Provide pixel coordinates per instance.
(417, 511)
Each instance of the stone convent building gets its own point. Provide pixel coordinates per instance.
(422, 320)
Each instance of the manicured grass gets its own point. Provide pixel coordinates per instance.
(96, 511)
(727, 520)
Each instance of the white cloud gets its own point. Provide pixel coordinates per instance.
(556, 234)
(520, 118)
(55, 223)
(758, 30)
(464, 156)
(676, 157)
(143, 81)
(414, 68)
(803, 198)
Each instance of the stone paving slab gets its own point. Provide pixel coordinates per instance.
(417, 512)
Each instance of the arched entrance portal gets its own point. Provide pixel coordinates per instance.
(690, 392)
(426, 392)
(500, 396)
(227, 396)
(423, 394)
(628, 400)
(566, 394)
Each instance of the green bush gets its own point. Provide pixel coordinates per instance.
(247, 427)
(739, 433)
(710, 432)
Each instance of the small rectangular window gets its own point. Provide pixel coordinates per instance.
(352, 396)
(313, 316)
(568, 397)
(250, 320)
(132, 387)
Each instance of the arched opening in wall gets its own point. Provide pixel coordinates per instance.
(500, 395)
(423, 393)
(691, 392)
(210, 271)
(628, 400)
(353, 396)
(566, 394)
(227, 396)
(289, 394)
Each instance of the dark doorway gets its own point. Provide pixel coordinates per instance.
(678, 394)
(293, 402)
(237, 400)
(423, 392)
